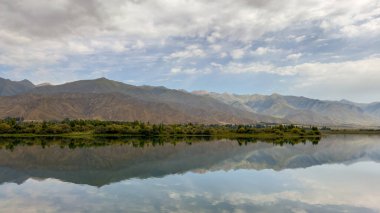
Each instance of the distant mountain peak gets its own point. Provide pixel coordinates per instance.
(9, 87)
(44, 84)
(200, 92)
(103, 79)
(276, 94)
(110, 99)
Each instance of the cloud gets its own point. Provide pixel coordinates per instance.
(37, 35)
(240, 68)
(357, 79)
(190, 52)
(370, 28)
(189, 71)
(300, 38)
(352, 79)
(294, 56)
(237, 53)
(264, 51)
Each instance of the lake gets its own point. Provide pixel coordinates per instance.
(337, 174)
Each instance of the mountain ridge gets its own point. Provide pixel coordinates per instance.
(112, 100)
(133, 103)
(295, 108)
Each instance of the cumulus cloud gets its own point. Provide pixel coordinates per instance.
(190, 52)
(239, 68)
(294, 56)
(243, 20)
(40, 35)
(358, 80)
(189, 71)
(264, 51)
(237, 53)
(352, 79)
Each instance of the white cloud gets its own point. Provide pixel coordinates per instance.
(264, 51)
(294, 56)
(223, 55)
(238, 68)
(300, 38)
(357, 80)
(79, 48)
(216, 48)
(237, 53)
(189, 71)
(370, 28)
(42, 35)
(214, 37)
(190, 52)
(138, 45)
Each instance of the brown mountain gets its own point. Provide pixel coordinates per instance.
(302, 110)
(9, 88)
(110, 100)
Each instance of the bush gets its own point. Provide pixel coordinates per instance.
(5, 128)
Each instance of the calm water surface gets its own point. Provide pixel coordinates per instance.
(339, 174)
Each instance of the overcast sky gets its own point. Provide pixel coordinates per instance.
(320, 49)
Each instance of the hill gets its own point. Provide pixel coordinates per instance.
(303, 110)
(111, 100)
(9, 88)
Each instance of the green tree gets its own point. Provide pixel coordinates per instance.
(5, 128)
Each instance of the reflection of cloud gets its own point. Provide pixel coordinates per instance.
(355, 185)
(316, 188)
(335, 186)
(351, 187)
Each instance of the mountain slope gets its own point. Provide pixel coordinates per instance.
(300, 109)
(111, 106)
(111, 100)
(9, 88)
(373, 109)
(196, 108)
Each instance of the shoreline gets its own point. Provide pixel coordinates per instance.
(226, 136)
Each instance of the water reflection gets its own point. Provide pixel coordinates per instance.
(11, 143)
(106, 160)
(338, 174)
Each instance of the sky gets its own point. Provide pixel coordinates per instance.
(313, 48)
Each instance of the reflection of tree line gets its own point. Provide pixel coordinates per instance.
(72, 143)
(280, 141)
(95, 127)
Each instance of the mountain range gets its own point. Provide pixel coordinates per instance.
(111, 100)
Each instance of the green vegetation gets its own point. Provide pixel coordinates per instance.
(83, 128)
(10, 143)
(351, 131)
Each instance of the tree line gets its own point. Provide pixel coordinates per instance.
(138, 128)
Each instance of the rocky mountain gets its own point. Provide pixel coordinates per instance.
(303, 110)
(110, 100)
(373, 109)
(9, 88)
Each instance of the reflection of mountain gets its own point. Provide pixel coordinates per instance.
(102, 165)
